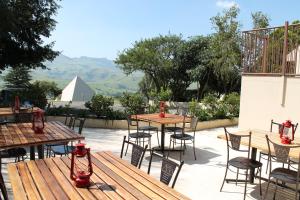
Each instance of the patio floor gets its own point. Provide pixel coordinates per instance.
(199, 179)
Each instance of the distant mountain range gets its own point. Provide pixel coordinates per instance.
(102, 74)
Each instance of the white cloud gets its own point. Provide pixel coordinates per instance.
(226, 4)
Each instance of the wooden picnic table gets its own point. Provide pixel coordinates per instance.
(163, 121)
(14, 135)
(259, 142)
(7, 111)
(113, 178)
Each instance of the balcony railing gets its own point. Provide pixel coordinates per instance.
(272, 51)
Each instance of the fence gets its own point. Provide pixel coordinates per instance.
(272, 51)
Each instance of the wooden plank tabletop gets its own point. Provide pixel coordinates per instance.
(8, 111)
(258, 141)
(21, 134)
(168, 119)
(113, 178)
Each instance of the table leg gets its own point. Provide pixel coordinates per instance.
(252, 170)
(40, 150)
(162, 139)
(32, 153)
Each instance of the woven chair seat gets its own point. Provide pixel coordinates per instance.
(148, 128)
(285, 175)
(15, 152)
(182, 136)
(244, 163)
(139, 135)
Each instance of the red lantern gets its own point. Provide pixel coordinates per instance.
(162, 111)
(17, 104)
(38, 121)
(287, 132)
(79, 175)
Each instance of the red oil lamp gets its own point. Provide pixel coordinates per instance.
(162, 106)
(38, 121)
(17, 104)
(287, 132)
(81, 175)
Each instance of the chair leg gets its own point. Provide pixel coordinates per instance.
(194, 149)
(260, 191)
(237, 176)
(126, 148)
(224, 178)
(180, 149)
(266, 193)
(158, 139)
(245, 190)
(274, 197)
(3, 188)
(170, 147)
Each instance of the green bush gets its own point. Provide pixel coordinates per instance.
(232, 100)
(100, 105)
(132, 103)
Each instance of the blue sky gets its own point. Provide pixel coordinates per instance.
(102, 28)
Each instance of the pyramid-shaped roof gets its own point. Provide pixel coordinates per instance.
(77, 90)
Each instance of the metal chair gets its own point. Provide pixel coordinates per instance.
(285, 175)
(176, 128)
(168, 169)
(244, 163)
(182, 136)
(138, 136)
(64, 148)
(137, 154)
(264, 154)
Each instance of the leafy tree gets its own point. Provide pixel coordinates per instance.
(24, 24)
(18, 77)
(101, 105)
(260, 20)
(157, 58)
(50, 89)
(226, 52)
(133, 103)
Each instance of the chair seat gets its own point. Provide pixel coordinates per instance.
(140, 135)
(15, 152)
(61, 149)
(182, 136)
(285, 175)
(173, 129)
(148, 128)
(244, 163)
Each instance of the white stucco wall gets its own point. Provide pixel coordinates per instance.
(261, 101)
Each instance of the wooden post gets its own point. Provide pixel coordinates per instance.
(285, 46)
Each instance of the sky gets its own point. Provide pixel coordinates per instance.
(104, 28)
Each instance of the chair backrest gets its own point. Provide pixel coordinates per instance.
(137, 154)
(234, 142)
(281, 151)
(132, 121)
(168, 168)
(279, 126)
(194, 123)
(71, 123)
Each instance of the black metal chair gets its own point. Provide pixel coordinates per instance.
(137, 136)
(168, 168)
(285, 175)
(64, 149)
(176, 128)
(137, 154)
(183, 137)
(264, 154)
(244, 163)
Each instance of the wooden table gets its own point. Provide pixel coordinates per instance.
(7, 111)
(113, 178)
(168, 119)
(21, 134)
(258, 141)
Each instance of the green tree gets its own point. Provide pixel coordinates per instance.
(50, 88)
(18, 77)
(133, 103)
(260, 20)
(101, 105)
(24, 24)
(157, 58)
(226, 52)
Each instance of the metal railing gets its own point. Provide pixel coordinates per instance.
(272, 51)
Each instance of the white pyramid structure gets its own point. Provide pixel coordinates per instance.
(77, 90)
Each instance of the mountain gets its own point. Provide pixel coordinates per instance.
(102, 74)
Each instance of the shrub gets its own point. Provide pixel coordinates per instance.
(100, 105)
(133, 103)
(232, 101)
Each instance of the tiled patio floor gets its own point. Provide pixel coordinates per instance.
(199, 179)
